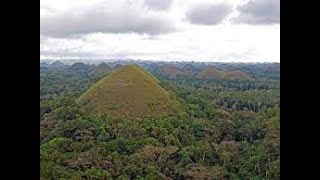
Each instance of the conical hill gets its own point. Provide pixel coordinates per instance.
(129, 91)
(101, 70)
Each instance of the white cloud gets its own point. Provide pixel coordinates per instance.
(208, 14)
(158, 4)
(152, 30)
(259, 12)
(107, 16)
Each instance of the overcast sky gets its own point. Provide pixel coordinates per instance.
(197, 30)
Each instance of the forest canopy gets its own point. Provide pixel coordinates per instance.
(226, 129)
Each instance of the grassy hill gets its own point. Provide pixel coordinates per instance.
(189, 70)
(211, 73)
(101, 70)
(232, 75)
(214, 73)
(129, 91)
(80, 68)
(171, 71)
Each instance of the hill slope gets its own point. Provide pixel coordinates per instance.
(57, 64)
(171, 71)
(213, 73)
(232, 75)
(130, 91)
(210, 73)
(101, 70)
(189, 70)
(80, 68)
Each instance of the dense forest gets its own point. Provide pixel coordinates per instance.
(227, 129)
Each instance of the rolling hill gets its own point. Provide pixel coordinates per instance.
(171, 71)
(211, 73)
(232, 75)
(130, 91)
(214, 73)
(80, 68)
(101, 70)
(189, 70)
(57, 64)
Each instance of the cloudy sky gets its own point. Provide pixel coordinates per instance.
(197, 30)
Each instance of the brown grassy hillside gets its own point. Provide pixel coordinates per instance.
(236, 75)
(129, 91)
(171, 71)
(211, 73)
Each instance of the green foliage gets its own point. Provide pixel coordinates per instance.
(227, 130)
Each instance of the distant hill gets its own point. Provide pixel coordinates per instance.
(214, 73)
(80, 68)
(171, 71)
(101, 70)
(130, 91)
(232, 75)
(189, 70)
(44, 64)
(57, 64)
(117, 66)
(272, 70)
(150, 66)
(211, 73)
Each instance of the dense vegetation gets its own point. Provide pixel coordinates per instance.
(226, 130)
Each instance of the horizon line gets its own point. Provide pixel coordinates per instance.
(157, 60)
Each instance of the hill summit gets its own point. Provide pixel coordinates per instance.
(171, 71)
(214, 73)
(211, 73)
(101, 70)
(129, 91)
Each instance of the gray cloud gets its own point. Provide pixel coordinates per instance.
(259, 12)
(208, 14)
(66, 53)
(43, 39)
(105, 19)
(130, 29)
(158, 4)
